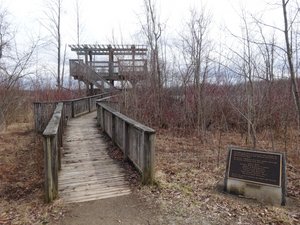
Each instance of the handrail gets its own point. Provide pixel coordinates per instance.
(75, 99)
(72, 108)
(87, 73)
(133, 138)
(136, 140)
(52, 152)
(58, 114)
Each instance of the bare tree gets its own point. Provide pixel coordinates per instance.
(244, 64)
(79, 25)
(185, 70)
(197, 44)
(79, 29)
(14, 65)
(53, 25)
(152, 29)
(248, 70)
(289, 53)
(6, 34)
(267, 51)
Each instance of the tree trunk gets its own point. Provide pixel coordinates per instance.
(289, 54)
(58, 46)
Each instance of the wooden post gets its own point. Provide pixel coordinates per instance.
(98, 114)
(60, 137)
(86, 57)
(91, 58)
(51, 167)
(90, 104)
(91, 89)
(133, 60)
(103, 118)
(87, 63)
(48, 170)
(125, 140)
(52, 135)
(55, 165)
(148, 158)
(113, 128)
(59, 145)
(110, 61)
(73, 109)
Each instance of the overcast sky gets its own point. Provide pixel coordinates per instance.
(102, 19)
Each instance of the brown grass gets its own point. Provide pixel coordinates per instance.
(21, 175)
(188, 178)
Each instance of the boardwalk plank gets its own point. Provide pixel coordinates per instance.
(90, 181)
(93, 197)
(73, 180)
(88, 173)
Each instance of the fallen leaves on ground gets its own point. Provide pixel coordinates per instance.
(189, 174)
(21, 175)
(189, 178)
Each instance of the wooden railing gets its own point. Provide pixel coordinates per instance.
(52, 152)
(88, 73)
(133, 138)
(72, 108)
(50, 119)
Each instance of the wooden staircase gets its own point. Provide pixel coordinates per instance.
(84, 72)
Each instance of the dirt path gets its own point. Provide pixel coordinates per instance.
(126, 210)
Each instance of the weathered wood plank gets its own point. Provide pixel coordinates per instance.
(76, 161)
(52, 127)
(92, 180)
(52, 154)
(97, 196)
(80, 169)
(88, 173)
(104, 180)
(75, 178)
(95, 187)
(99, 192)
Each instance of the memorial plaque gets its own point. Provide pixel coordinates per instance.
(256, 174)
(255, 166)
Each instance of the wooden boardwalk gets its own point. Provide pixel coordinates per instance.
(88, 173)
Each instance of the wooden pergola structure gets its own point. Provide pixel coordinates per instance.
(110, 62)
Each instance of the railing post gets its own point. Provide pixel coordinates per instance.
(52, 158)
(90, 104)
(125, 140)
(98, 114)
(55, 166)
(73, 109)
(60, 142)
(148, 158)
(48, 169)
(113, 128)
(103, 118)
